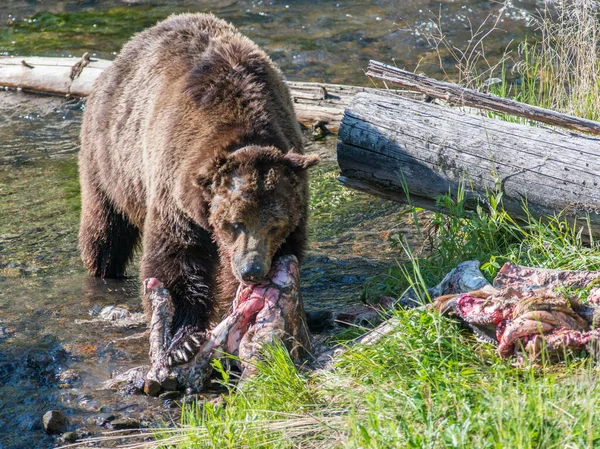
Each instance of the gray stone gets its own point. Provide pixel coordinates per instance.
(69, 437)
(125, 423)
(54, 421)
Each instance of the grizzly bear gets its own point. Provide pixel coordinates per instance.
(190, 141)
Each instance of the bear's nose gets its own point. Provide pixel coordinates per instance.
(253, 272)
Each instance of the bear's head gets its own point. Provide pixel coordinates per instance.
(253, 199)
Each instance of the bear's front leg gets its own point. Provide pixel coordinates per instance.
(183, 256)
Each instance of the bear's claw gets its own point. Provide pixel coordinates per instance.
(184, 345)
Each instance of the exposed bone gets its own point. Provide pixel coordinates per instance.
(525, 315)
(260, 314)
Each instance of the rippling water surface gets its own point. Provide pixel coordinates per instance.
(50, 357)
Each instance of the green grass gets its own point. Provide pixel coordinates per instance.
(429, 385)
(551, 82)
(426, 385)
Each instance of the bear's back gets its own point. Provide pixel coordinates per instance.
(147, 66)
(174, 92)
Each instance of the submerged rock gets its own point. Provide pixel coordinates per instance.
(125, 423)
(54, 421)
(104, 419)
(69, 437)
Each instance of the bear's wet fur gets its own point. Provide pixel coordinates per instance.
(191, 145)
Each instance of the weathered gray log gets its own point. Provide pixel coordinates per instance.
(50, 75)
(454, 93)
(326, 102)
(314, 102)
(387, 141)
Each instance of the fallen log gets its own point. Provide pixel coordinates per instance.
(389, 143)
(453, 93)
(315, 103)
(50, 75)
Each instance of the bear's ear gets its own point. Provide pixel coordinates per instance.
(301, 161)
(204, 178)
(205, 175)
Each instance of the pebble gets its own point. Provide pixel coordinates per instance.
(152, 387)
(69, 437)
(170, 395)
(125, 423)
(104, 419)
(54, 421)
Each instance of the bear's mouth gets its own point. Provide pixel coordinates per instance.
(251, 280)
(251, 271)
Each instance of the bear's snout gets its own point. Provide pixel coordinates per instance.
(253, 272)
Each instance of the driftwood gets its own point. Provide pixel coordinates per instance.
(315, 103)
(389, 143)
(51, 75)
(454, 93)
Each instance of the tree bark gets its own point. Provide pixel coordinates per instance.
(388, 143)
(454, 93)
(314, 102)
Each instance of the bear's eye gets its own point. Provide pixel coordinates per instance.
(237, 228)
(275, 230)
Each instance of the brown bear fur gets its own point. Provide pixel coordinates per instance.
(190, 140)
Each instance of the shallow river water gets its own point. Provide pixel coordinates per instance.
(52, 352)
